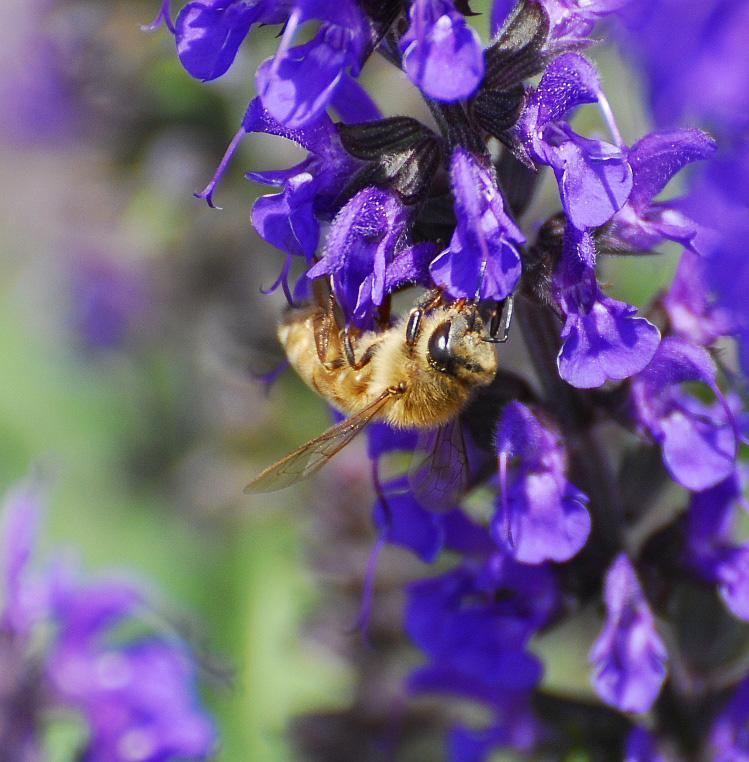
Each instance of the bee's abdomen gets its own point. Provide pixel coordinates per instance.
(345, 388)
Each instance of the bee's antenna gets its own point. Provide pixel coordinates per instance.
(499, 328)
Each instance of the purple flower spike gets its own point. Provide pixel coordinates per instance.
(698, 441)
(602, 337)
(360, 246)
(297, 84)
(482, 259)
(629, 657)
(594, 176)
(540, 515)
(442, 55)
(208, 34)
(643, 223)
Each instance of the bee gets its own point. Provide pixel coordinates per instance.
(416, 374)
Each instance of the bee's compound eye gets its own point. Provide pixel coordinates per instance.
(438, 348)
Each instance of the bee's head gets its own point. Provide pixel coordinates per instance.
(456, 345)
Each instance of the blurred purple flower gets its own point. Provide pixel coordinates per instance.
(442, 55)
(693, 56)
(482, 259)
(629, 657)
(712, 549)
(138, 696)
(540, 515)
(702, 74)
(698, 441)
(602, 337)
(108, 298)
(594, 176)
(692, 310)
(38, 100)
(721, 200)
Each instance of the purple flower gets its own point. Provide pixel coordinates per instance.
(540, 515)
(729, 741)
(442, 55)
(364, 239)
(297, 84)
(698, 440)
(602, 337)
(137, 695)
(594, 176)
(482, 259)
(629, 657)
(642, 223)
(208, 34)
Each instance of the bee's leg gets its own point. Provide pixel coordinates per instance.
(427, 302)
(348, 349)
(499, 328)
(413, 326)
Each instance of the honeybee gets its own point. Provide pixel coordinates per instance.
(416, 374)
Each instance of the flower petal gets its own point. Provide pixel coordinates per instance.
(442, 55)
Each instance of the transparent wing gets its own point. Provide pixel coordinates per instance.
(440, 477)
(313, 455)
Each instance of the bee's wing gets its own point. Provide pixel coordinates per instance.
(440, 477)
(313, 455)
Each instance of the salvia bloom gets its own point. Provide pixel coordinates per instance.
(567, 466)
(59, 651)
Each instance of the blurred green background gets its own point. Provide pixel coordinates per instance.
(149, 426)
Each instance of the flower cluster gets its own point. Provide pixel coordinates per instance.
(383, 204)
(63, 646)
